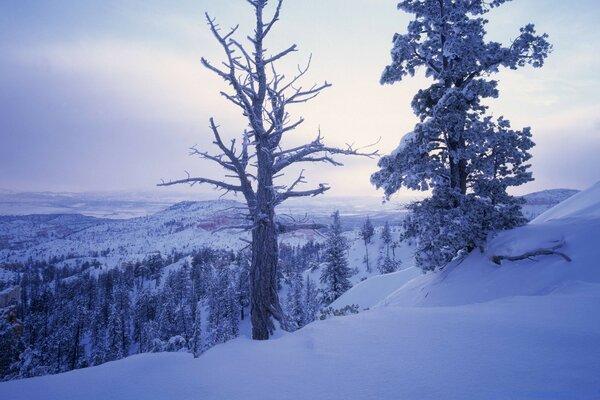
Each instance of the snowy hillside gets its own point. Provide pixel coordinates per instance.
(538, 202)
(179, 228)
(477, 330)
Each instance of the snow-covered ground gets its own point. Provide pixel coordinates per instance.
(182, 227)
(527, 329)
(538, 202)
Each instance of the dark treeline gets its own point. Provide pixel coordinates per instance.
(74, 317)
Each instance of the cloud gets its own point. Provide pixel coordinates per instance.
(146, 82)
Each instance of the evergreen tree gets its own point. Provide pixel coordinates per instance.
(387, 265)
(465, 156)
(295, 307)
(113, 338)
(197, 331)
(311, 301)
(386, 237)
(243, 282)
(223, 322)
(144, 312)
(366, 234)
(9, 346)
(336, 272)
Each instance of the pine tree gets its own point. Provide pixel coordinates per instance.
(168, 316)
(144, 312)
(243, 282)
(366, 234)
(9, 346)
(386, 237)
(311, 301)
(197, 331)
(387, 265)
(223, 317)
(294, 303)
(466, 157)
(336, 272)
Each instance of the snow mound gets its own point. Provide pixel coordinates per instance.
(585, 204)
(572, 228)
(371, 291)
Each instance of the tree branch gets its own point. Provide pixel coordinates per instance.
(550, 251)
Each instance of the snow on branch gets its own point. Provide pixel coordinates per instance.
(192, 181)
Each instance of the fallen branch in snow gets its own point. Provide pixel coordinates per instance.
(550, 251)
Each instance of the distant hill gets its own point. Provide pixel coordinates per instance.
(538, 202)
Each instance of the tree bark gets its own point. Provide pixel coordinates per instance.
(264, 300)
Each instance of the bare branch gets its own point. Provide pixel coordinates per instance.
(306, 153)
(550, 251)
(281, 197)
(285, 52)
(275, 18)
(193, 181)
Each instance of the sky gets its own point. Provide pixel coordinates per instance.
(109, 95)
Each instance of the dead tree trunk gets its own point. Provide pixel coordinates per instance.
(264, 299)
(530, 255)
(263, 96)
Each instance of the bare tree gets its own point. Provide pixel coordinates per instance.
(253, 165)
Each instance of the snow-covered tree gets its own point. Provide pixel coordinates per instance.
(259, 158)
(465, 156)
(196, 345)
(295, 307)
(366, 234)
(311, 301)
(223, 317)
(387, 265)
(336, 272)
(386, 237)
(9, 345)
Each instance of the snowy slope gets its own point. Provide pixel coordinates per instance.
(538, 202)
(575, 222)
(372, 291)
(182, 227)
(516, 348)
(582, 205)
(520, 330)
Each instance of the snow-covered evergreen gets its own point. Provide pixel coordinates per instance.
(468, 158)
(366, 233)
(336, 272)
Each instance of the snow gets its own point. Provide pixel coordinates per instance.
(538, 202)
(407, 139)
(583, 204)
(521, 347)
(371, 291)
(477, 279)
(476, 330)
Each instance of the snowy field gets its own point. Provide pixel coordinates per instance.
(527, 329)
